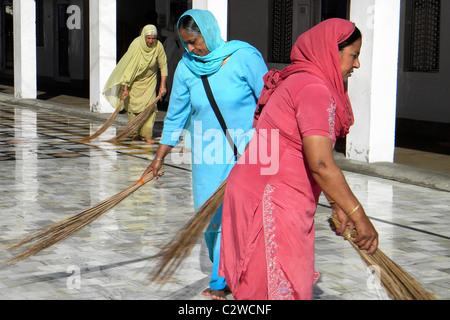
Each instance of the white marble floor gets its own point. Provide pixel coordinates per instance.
(46, 176)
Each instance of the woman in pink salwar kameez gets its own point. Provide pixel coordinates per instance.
(272, 192)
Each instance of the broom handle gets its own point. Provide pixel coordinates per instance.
(105, 125)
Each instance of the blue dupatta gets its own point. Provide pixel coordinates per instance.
(218, 48)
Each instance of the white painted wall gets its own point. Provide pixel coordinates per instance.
(25, 86)
(373, 88)
(102, 26)
(219, 9)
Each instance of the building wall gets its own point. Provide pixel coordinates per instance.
(132, 16)
(421, 96)
(249, 21)
(47, 54)
(6, 39)
(425, 96)
(78, 53)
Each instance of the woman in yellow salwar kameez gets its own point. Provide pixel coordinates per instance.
(134, 79)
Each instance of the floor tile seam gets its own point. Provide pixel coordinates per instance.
(401, 225)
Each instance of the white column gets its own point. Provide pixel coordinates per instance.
(373, 88)
(25, 86)
(219, 9)
(102, 31)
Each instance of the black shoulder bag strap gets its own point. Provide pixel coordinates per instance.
(219, 116)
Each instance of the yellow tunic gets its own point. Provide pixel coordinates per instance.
(138, 69)
(143, 88)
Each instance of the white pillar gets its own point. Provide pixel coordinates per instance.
(219, 9)
(25, 86)
(102, 31)
(373, 88)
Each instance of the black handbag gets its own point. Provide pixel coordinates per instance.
(219, 116)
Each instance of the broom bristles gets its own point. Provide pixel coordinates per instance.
(105, 126)
(397, 282)
(182, 244)
(48, 236)
(136, 123)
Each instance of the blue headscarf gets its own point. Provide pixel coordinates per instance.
(218, 48)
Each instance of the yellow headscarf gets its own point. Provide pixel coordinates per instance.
(131, 65)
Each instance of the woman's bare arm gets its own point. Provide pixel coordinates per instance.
(319, 155)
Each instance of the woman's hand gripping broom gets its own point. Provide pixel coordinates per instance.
(397, 282)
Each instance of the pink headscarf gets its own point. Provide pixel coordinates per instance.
(316, 52)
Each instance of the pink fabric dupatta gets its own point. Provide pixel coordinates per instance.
(316, 52)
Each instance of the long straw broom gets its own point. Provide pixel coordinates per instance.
(137, 122)
(105, 126)
(133, 125)
(181, 245)
(45, 237)
(397, 282)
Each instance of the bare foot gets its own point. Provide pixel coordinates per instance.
(206, 292)
(216, 294)
(146, 140)
(149, 141)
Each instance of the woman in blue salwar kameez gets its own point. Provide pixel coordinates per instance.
(235, 73)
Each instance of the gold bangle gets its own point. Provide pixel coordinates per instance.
(354, 210)
(331, 202)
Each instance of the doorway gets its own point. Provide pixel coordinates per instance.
(62, 42)
(7, 38)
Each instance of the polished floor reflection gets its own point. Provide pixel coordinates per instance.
(46, 175)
